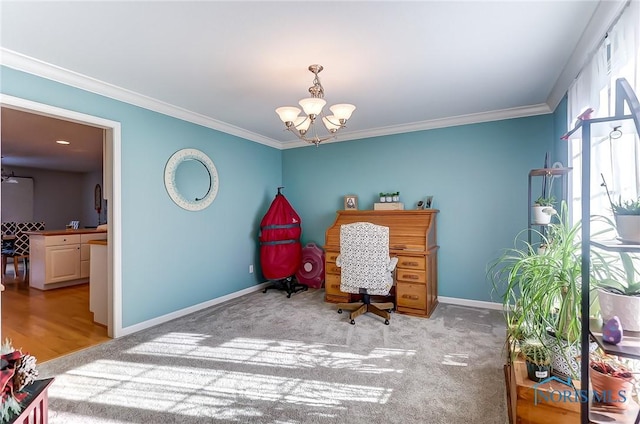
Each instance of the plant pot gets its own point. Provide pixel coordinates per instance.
(565, 359)
(610, 390)
(542, 214)
(537, 372)
(627, 308)
(628, 227)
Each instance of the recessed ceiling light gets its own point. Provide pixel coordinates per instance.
(62, 142)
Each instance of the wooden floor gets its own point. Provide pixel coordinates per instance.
(48, 324)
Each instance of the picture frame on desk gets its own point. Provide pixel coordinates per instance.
(428, 202)
(351, 202)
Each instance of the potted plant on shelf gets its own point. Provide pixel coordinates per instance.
(627, 216)
(543, 208)
(612, 382)
(546, 287)
(537, 358)
(619, 291)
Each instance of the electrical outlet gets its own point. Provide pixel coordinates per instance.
(250, 269)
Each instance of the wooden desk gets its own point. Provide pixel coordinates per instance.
(412, 239)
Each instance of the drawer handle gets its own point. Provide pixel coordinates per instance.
(335, 286)
(410, 277)
(410, 263)
(410, 296)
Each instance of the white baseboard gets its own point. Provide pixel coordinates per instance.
(468, 302)
(191, 309)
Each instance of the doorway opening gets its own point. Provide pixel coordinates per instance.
(111, 192)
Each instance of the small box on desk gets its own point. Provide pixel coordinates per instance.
(392, 206)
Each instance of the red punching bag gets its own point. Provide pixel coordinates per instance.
(280, 248)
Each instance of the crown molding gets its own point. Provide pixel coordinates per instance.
(20, 62)
(454, 121)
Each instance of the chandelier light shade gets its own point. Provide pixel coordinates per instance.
(303, 126)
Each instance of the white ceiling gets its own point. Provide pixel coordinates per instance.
(228, 64)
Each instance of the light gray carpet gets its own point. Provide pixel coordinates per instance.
(263, 358)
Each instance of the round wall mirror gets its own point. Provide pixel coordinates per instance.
(191, 179)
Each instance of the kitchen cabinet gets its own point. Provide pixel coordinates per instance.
(60, 258)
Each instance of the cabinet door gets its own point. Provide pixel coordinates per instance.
(62, 263)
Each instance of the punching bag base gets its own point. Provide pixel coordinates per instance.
(289, 284)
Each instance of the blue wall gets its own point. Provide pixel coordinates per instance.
(173, 258)
(477, 174)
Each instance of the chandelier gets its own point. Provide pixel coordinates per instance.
(304, 126)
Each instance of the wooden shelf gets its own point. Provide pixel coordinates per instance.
(528, 407)
(549, 171)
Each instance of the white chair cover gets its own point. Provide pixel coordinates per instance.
(364, 258)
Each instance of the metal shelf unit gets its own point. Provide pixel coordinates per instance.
(624, 96)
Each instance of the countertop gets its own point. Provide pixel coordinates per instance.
(64, 232)
(98, 242)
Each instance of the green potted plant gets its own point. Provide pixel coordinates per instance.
(616, 282)
(543, 210)
(627, 216)
(543, 207)
(546, 290)
(619, 291)
(537, 358)
(545, 201)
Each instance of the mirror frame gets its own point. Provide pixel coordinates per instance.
(170, 179)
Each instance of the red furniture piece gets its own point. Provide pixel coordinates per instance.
(37, 409)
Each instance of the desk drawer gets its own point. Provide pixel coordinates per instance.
(332, 285)
(331, 256)
(411, 275)
(412, 262)
(331, 268)
(412, 296)
(62, 240)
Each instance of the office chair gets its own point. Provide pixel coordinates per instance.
(366, 268)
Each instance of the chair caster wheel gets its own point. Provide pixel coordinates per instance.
(386, 322)
(289, 296)
(339, 311)
(264, 291)
(353, 322)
